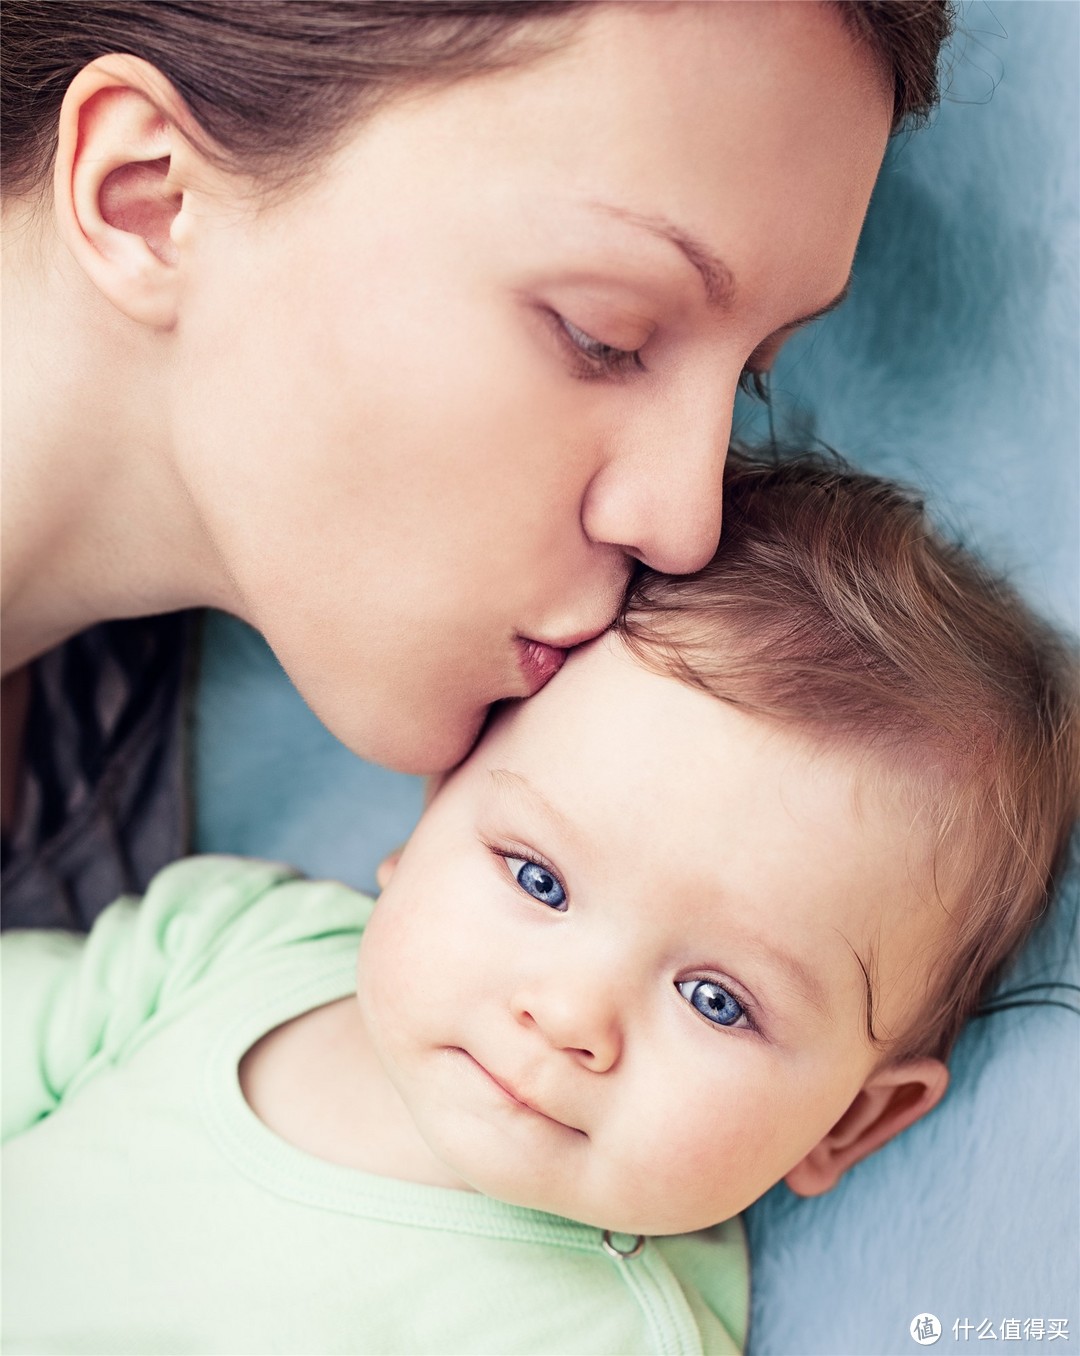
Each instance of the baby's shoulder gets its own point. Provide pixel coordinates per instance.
(212, 906)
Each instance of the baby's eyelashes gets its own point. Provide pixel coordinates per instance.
(715, 1003)
(537, 881)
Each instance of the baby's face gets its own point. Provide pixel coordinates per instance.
(616, 974)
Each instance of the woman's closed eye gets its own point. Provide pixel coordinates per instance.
(539, 882)
(715, 1003)
(592, 357)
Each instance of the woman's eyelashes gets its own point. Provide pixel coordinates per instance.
(716, 1003)
(539, 882)
(591, 357)
(754, 382)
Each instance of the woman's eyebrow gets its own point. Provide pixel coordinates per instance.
(715, 274)
(718, 278)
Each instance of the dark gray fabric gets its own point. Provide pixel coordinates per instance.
(102, 802)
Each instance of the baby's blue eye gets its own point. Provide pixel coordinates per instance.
(711, 1001)
(537, 881)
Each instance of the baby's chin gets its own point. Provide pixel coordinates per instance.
(608, 1212)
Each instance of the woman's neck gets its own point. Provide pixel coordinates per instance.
(96, 523)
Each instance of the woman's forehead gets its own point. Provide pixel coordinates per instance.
(714, 119)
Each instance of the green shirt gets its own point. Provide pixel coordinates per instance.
(147, 1209)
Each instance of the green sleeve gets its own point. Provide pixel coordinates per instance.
(72, 1004)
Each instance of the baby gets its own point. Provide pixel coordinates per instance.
(706, 914)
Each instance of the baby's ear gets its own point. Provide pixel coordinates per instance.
(889, 1101)
(387, 867)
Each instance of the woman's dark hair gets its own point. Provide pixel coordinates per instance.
(275, 84)
(907, 38)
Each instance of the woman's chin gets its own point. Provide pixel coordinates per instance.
(425, 749)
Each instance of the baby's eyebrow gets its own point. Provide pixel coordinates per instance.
(506, 781)
(797, 970)
(809, 983)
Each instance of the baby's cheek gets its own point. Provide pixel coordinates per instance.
(383, 967)
(413, 957)
(368, 986)
(721, 1148)
(398, 934)
(704, 1159)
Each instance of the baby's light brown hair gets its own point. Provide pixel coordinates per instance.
(834, 605)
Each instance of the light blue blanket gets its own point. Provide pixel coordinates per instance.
(953, 365)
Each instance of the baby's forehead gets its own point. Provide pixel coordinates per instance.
(612, 718)
(725, 816)
(604, 686)
(608, 698)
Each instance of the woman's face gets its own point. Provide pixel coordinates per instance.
(434, 405)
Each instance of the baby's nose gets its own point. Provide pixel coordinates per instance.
(582, 1021)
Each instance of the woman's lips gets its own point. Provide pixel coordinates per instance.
(538, 662)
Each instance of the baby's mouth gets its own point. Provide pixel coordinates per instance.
(517, 1098)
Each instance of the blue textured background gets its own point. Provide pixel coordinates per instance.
(954, 365)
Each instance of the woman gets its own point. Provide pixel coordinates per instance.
(399, 330)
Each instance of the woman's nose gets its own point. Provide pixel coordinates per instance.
(580, 1019)
(658, 495)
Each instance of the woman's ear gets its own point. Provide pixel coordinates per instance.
(119, 183)
(889, 1101)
